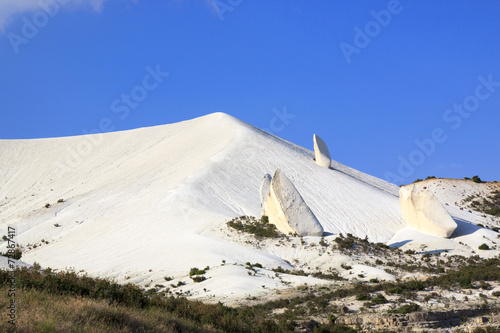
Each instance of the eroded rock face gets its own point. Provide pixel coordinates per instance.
(265, 185)
(321, 152)
(423, 211)
(421, 320)
(286, 209)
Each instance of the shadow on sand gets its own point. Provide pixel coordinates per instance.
(399, 244)
(464, 228)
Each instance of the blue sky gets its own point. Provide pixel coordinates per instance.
(398, 89)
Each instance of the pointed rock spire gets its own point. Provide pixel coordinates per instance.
(286, 208)
(321, 152)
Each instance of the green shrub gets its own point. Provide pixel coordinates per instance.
(14, 254)
(465, 282)
(334, 276)
(379, 299)
(395, 290)
(346, 267)
(345, 243)
(484, 246)
(259, 228)
(363, 297)
(196, 271)
(414, 285)
(476, 179)
(198, 278)
(407, 308)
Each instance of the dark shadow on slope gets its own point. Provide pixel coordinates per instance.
(464, 228)
(399, 244)
(435, 251)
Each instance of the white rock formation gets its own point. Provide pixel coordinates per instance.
(321, 152)
(264, 191)
(423, 211)
(286, 209)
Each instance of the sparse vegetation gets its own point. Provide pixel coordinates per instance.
(345, 242)
(363, 297)
(14, 254)
(197, 274)
(407, 308)
(257, 227)
(489, 204)
(190, 316)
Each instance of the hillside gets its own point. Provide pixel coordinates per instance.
(147, 205)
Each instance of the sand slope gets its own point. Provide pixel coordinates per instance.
(143, 204)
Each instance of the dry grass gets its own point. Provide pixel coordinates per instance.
(40, 312)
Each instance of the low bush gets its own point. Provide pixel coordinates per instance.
(15, 254)
(198, 278)
(345, 243)
(259, 228)
(476, 179)
(484, 247)
(363, 297)
(334, 276)
(196, 271)
(407, 308)
(379, 299)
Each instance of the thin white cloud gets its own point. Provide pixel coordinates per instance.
(12, 9)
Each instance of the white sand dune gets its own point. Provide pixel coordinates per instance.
(143, 204)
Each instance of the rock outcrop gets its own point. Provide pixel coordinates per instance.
(265, 185)
(417, 320)
(288, 211)
(321, 152)
(423, 211)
